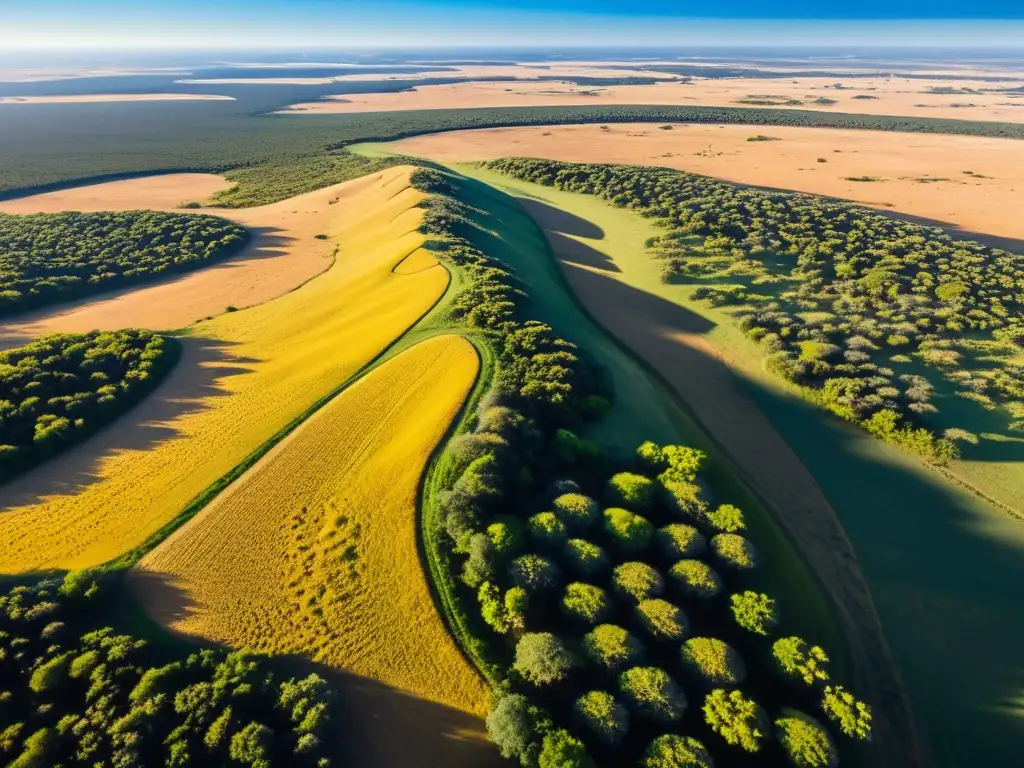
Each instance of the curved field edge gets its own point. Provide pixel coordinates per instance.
(261, 146)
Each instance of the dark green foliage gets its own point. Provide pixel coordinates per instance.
(561, 749)
(680, 540)
(577, 511)
(506, 535)
(674, 751)
(736, 718)
(713, 662)
(547, 530)
(696, 578)
(584, 557)
(637, 580)
(480, 564)
(585, 602)
(534, 573)
(512, 726)
(662, 620)
(631, 532)
(672, 463)
(630, 490)
(805, 741)
(542, 659)
(84, 695)
(734, 551)
(612, 647)
(50, 257)
(601, 714)
(56, 391)
(828, 289)
(653, 694)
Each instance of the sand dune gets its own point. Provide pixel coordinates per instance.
(921, 175)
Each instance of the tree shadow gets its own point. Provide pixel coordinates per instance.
(563, 229)
(375, 725)
(188, 388)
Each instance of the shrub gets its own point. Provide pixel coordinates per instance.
(560, 749)
(714, 662)
(603, 715)
(512, 724)
(547, 530)
(754, 611)
(697, 579)
(612, 647)
(629, 490)
(541, 658)
(737, 719)
(506, 534)
(680, 540)
(727, 518)
(585, 602)
(735, 551)
(674, 751)
(663, 620)
(843, 708)
(673, 463)
(797, 659)
(630, 531)
(479, 566)
(584, 557)
(534, 573)
(687, 500)
(465, 449)
(805, 741)
(577, 511)
(637, 580)
(653, 694)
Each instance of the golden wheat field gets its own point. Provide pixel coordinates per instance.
(252, 373)
(314, 550)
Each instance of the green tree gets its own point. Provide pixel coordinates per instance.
(852, 715)
(653, 694)
(696, 578)
(674, 751)
(629, 531)
(577, 511)
(251, 745)
(547, 529)
(534, 573)
(37, 750)
(512, 725)
(626, 489)
(48, 676)
(799, 660)
(713, 662)
(585, 602)
(610, 646)
(805, 741)
(734, 551)
(680, 540)
(638, 581)
(542, 659)
(737, 719)
(605, 717)
(663, 620)
(727, 518)
(754, 611)
(562, 750)
(479, 566)
(584, 557)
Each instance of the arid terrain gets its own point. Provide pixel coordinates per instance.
(964, 182)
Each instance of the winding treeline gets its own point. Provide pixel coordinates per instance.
(73, 692)
(618, 617)
(61, 388)
(50, 257)
(872, 314)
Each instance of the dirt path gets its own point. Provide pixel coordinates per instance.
(284, 253)
(670, 338)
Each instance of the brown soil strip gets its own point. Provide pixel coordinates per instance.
(669, 338)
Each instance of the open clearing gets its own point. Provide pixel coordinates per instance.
(252, 373)
(964, 100)
(944, 567)
(284, 253)
(314, 550)
(921, 175)
(100, 98)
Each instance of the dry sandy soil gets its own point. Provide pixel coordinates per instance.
(284, 254)
(920, 175)
(107, 97)
(889, 96)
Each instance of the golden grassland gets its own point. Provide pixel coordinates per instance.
(313, 551)
(263, 368)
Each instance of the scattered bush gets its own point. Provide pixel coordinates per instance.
(541, 658)
(696, 578)
(674, 751)
(603, 715)
(805, 742)
(629, 531)
(797, 659)
(585, 602)
(713, 662)
(534, 573)
(852, 716)
(653, 694)
(632, 491)
(727, 518)
(612, 647)
(737, 719)
(754, 611)
(662, 620)
(584, 557)
(638, 581)
(577, 511)
(547, 530)
(680, 540)
(734, 551)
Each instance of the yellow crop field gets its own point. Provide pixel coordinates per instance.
(243, 377)
(314, 550)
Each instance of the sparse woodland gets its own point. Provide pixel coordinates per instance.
(61, 388)
(871, 315)
(50, 257)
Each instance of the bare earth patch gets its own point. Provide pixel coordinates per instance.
(93, 98)
(921, 175)
(283, 254)
(959, 99)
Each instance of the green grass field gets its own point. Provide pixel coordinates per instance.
(945, 568)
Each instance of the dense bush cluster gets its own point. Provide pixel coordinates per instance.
(48, 257)
(61, 388)
(662, 649)
(871, 314)
(76, 693)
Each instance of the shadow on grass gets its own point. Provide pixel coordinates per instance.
(188, 388)
(375, 724)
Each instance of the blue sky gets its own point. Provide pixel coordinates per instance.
(248, 23)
